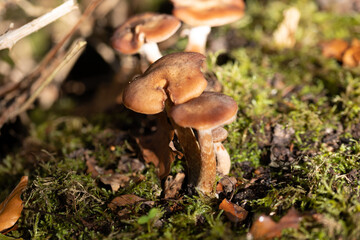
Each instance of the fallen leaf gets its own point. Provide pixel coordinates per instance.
(355, 42)
(226, 184)
(173, 185)
(334, 48)
(117, 180)
(351, 57)
(124, 200)
(11, 207)
(92, 168)
(232, 211)
(155, 147)
(265, 228)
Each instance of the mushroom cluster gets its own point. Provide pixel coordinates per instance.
(175, 84)
(175, 88)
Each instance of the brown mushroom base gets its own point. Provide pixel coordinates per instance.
(190, 147)
(207, 174)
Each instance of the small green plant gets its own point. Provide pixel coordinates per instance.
(149, 219)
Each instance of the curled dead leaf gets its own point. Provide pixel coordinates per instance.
(233, 212)
(226, 185)
(124, 200)
(351, 57)
(265, 228)
(92, 168)
(117, 180)
(12, 206)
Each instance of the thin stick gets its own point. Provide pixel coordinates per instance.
(50, 55)
(10, 38)
(69, 55)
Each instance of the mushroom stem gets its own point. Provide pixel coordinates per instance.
(151, 51)
(222, 158)
(207, 174)
(197, 39)
(190, 147)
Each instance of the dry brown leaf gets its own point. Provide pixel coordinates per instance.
(173, 185)
(117, 180)
(351, 57)
(11, 207)
(92, 168)
(124, 200)
(334, 48)
(265, 228)
(226, 185)
(155, 148)
(233, 212)
(355, 42)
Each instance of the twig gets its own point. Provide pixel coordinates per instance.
(89, 9)
(50, 55)
(21, 90)
(69, 55)
(10, 38)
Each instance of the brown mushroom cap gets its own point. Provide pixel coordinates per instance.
(208, 12)
(146, 27)
(207, 111)
(176, 75)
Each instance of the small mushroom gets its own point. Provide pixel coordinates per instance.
(142, 32)
(202, 15)
(204, 113)
(222, 156)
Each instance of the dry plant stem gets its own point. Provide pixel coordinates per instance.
(90, 8)
(9, 39)
(21, 88)
(69, 55)
(189, 146)
(207, 175)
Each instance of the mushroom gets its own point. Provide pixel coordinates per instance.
(176, 76)
(202, 15)
(204, 113)
(142, 32)
(223, 160)
(173, 79)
